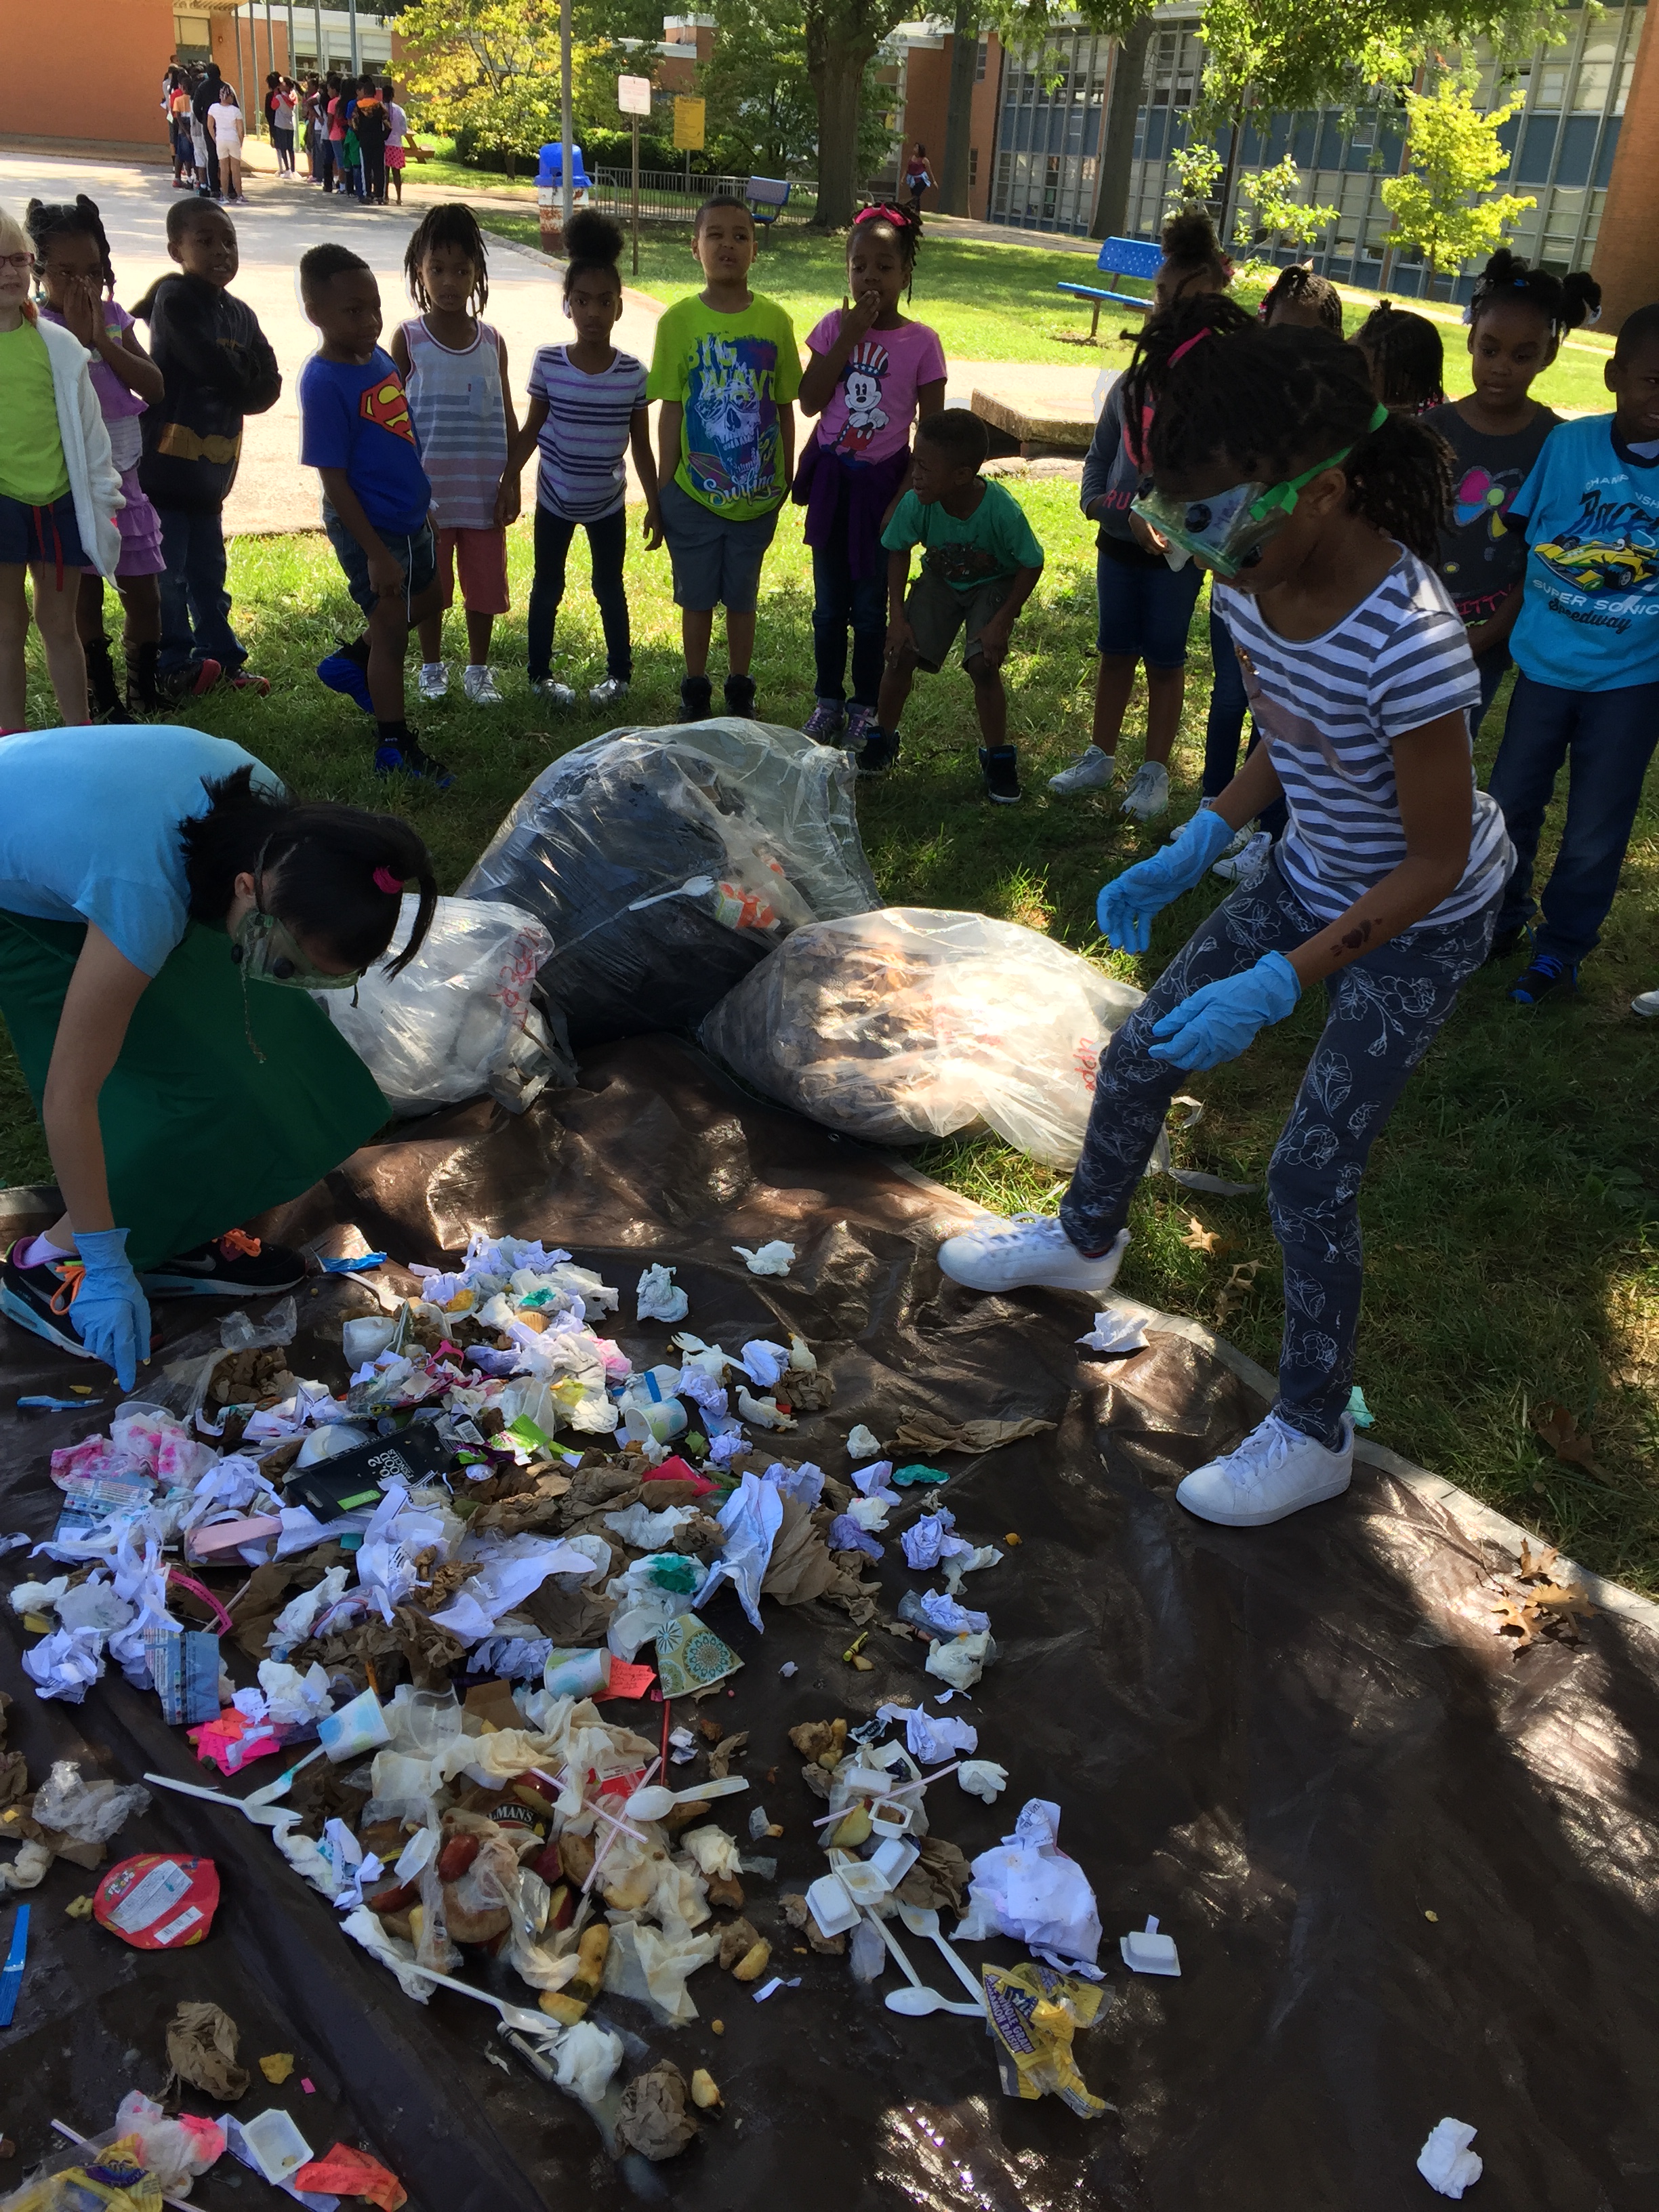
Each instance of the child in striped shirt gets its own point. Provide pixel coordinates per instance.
(454, 371)
(586, 409)
(1318, 510)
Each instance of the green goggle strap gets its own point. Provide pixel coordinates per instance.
(1284, 495)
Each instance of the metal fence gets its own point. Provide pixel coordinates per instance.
(666, 195)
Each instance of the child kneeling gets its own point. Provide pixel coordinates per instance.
(980, 564)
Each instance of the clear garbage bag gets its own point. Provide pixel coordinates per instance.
(912, 1023)
(665, 863)
(463, 1018)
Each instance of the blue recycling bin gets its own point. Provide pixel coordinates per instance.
(550, 174)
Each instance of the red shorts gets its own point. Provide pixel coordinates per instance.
(394, 157)
(480, 558)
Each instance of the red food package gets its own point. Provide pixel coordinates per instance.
(344, 2172)
(679, 1470)
(157, 1902)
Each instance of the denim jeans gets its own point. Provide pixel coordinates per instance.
(1228, 708)
(840, 602)
(1609, 738)
(195, 604)
(325, 152)
(1383, 1013)
(1491, 668)
(607, 542)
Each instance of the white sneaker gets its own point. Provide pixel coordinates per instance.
(551, 689)
(1276, 1471)
(1148, 796)
(1032, 1251)
(479, 685)
(1093, 770)
(611, 693)
(1243, 863)
(1647, 1004)
(434, 679)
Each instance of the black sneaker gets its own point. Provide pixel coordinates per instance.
(999, 766)
(880, 750)
(411, 758)
(38, 1298)
(1544, 974)
(234, 1266)
(697, 698)
(740, 696)
(1504, 944)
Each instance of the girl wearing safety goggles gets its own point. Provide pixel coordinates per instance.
(150, 894)
(1318, 514)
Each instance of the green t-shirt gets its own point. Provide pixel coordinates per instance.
(32, 465)
(731, 374)
(981, 548)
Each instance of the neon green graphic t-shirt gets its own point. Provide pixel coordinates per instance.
(731, 374)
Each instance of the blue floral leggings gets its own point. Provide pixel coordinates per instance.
(1385, 1010)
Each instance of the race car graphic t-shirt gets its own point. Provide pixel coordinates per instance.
(1589, 513)
(731, 374)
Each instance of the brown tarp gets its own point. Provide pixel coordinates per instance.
(1410, 1875)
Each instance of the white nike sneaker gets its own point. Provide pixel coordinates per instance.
(434, 679)
(1148, 796)
(1030, 1252)
(1243, 863)
(1276, 1471)
(479, 685)
(1093, 770)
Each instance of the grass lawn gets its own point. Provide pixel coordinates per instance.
(1512, 1210)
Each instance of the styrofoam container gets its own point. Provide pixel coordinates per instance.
(278, 2148)
(893, 1860)
(830, 1906)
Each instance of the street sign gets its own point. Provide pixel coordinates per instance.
(634, 94)
(687, 124)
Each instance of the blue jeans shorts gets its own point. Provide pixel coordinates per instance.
(1145, 608)
(416, 552)
(716, 560)
(44, 536)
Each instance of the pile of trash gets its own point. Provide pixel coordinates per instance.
(663, 863)
(443, 1573)
(915, 1022)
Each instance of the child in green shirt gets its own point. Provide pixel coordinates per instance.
(727, 370)
(980, 563)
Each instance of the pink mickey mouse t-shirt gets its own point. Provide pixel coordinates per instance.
(869, 416)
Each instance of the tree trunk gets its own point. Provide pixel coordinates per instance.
(837, 70)
(959, 113)
(1118, 135)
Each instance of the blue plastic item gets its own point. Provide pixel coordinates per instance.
(767, 197)
(1120, 258)
(551, 171)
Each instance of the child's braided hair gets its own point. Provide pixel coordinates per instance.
(1407, 360)
(49, 219)
(452, 223)
(1302, 287)
(906, 228)
(1275, 401)
(1565, 302)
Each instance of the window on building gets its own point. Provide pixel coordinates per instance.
(973, 166)
(980, 60)
(192, 38)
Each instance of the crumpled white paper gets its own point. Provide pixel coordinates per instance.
(773, 1258)
(961, 1660)
(587, 2057)
(927, 1541)
(929, 1737)
(1114, 1334)
(765, 1364)
(66, 1663)
(1446, 2162)
(659, 1297)
(1027, 1887)
(751, 1517)
(642, 1530)
(861, 1444)
(514, 1571)
(982, 1778)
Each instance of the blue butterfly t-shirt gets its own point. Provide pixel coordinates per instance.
(730, 373)
(1482, 556)
(1589, 513)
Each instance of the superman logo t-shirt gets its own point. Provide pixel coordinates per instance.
(355, 416)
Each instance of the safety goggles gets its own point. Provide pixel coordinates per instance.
(1228, 531)
(267, 953)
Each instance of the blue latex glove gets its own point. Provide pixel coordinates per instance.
(110, 1312)
(1216, 1023)
(1126, 905)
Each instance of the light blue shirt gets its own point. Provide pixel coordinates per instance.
(1590, 619)
(89, 828)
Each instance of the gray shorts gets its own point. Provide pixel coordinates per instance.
(936, 610)
(716, 562)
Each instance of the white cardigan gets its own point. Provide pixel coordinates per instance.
(94, 483)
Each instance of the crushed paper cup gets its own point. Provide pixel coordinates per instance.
(690, 1656)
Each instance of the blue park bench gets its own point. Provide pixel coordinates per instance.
(768, 197)
(1120, 258)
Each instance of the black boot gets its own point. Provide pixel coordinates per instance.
(696, 697)
(104, 702)
(143, 696)
(740, 696)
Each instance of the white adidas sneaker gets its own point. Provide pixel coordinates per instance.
(1030, 1252)
(1275, 1472)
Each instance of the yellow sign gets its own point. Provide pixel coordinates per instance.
(688, 125)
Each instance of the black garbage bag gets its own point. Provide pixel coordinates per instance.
(667, 862)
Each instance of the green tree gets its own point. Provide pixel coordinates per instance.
(1197, 168)
(761, 114)
(842, 40)
(1453, 156)
(1276, 216)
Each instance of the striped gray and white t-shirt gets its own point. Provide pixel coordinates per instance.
(582, 475)
(456, 403)
(1329, 709)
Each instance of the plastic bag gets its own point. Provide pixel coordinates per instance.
(461, 1019)
(667, 862)
(86, 1812)
(915, 1022)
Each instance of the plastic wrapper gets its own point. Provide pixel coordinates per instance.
(665, 863)
(87, 1811)
(463, 1018)
(915, 1022)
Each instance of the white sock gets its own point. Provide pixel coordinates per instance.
(477, 667)
(40, 1249)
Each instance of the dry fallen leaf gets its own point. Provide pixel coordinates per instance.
(1520, 1618)
(1198, 1239)
(1238, 1287)
(1555, 1427)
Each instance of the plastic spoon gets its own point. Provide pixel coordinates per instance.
(918, 1998)
(652, 1804)
(923, 1920)
(528, 2023)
